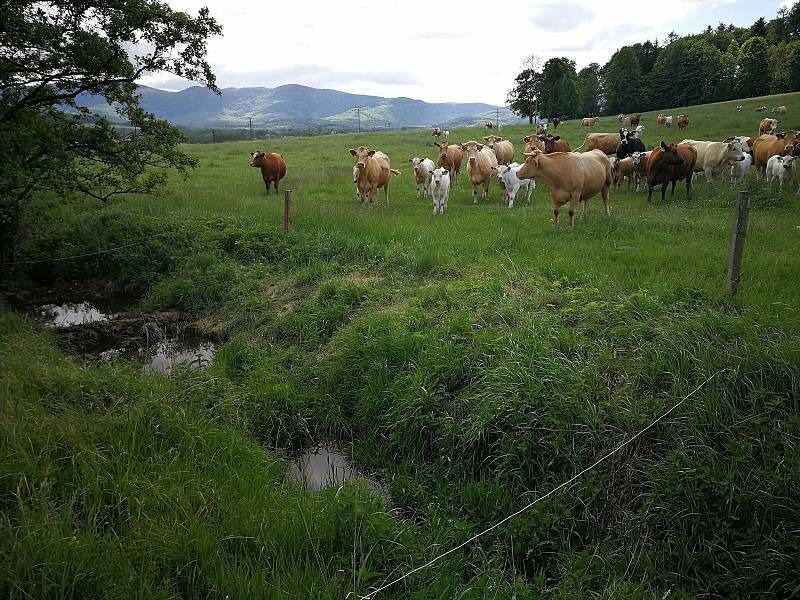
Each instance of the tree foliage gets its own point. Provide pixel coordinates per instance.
(623, 82)
(590, 90)
(53, 51)
(754, 75)
(558, 94)
(522, 98)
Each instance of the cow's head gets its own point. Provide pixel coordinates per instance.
(257, 158)
(670, 155)
(472, 149)
(735, 152)
(437, 176)
(361, 156)
(491, 140)
(550, 143)
(415, 162)
(531, 164)
(786, 161)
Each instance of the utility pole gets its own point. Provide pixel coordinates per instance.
(358, 110)
(213, 137)
(251, 127)
(497, 118)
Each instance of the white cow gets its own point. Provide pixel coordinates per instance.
(780, 168)
(668, 121)
(440, 189)
(639, 130)
(713, 158)
(512, 183)
(740, 169)
(423, 170)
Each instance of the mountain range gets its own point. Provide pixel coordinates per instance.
(297, 107)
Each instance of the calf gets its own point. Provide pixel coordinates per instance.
(668, 121)
(640, 164)
(272, 165)
(683, 121)
(622, 169)
(423, 170)
(450, 158)
(780, 168)
(661, 120)
(512, 183)
(440, 189)
(555, 144)
(740, 169)
(779, 110)
(589, 121)
(635, 120)
(480, 162)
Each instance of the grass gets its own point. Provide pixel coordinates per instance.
(476, 359)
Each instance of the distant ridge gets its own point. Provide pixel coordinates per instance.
(297, 106)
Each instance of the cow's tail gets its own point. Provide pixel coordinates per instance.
(394, 172)
(582, 145)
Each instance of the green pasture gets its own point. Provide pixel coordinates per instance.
(473, 361)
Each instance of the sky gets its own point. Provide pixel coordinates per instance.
(466, 51)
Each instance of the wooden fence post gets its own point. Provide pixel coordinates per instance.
(739, 231)
(343, 587)
(287, 205)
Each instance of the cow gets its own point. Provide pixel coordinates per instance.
(489, 125)
(532, 141)
(620, 118)
(670, 163)
(607, 142)
(668, 121)
(622, 169)
(713, 158)
(640, 164)
(635, 120)
(745, 140)
(423, 171)
(766, 146)
(480, 160)
(661, 119)
(440, 189)
(738, 108)
(503, 149)
(374, 172)
(450, 158)
(555, 144)
(740, 169)
(436, 132)
(779, 110)
(272, 165)
(628, 143)
(589, 121)
(556, 122)
(683, 121)
(541, 129)
(571, 178)
(768, 126)
(507, 176)
(760, 108)
(780, 168)
(639, 131)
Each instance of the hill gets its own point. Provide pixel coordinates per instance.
(298, 106)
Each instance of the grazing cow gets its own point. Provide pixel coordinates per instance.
(503, 149)
(480, 162)
(589, 121)
(556, 122)
(713, 158)
(489, 125)
(670, 163)
(607, 142)
(780, 168)
(620, 118)
(532, 141)
(555, 144)
(768, 126)
(272, 165)
(635, 120)
(661, 119)
(423, 171)
(668, 121)
(760, 108)
(683, 121)
(440, 189)
(509, 180)
(640, 164)
(628, 143)
(738, 108)
(374, 172)
(622, 169)
(740, 169)
(450, 158)
(779, 110)
(571, 178)
(766, 146)
(541, 129)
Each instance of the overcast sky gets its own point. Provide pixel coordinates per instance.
(466, 51)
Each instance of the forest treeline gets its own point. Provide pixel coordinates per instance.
(722, 63)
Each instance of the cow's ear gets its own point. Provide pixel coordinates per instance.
(353, 152)
(486, 138)
(558, 137)
(663, 145)
(437, 144)
(445, 170)
(527, 138)
(371, 152)
(499, 139)
(480, 147)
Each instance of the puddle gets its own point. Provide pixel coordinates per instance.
(326, 466)
(164, 356)
(72, 313)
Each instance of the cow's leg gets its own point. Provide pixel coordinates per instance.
(663, 191)
(674, 183)
(606, 208)
(688, 186)
(649, 191)
(573, 203)
(474, 193)
(486, 189)
(585, 209)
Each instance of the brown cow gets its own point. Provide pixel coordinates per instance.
(503, 149)
(768, 126)
(766, 146)
(640, 164)
(373, 173)
(670, 163)
(555, 144)
(589, 121)
(272, 165)
(635, 120)
(607, 142)
(571, 177)
(779, 110)
(532, 141)
(556, 122)
(450, 158)
(481, 165)
(622, 169)
(620, 118)
(683, 121)
(661, 119)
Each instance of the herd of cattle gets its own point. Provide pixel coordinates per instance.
(571, 176)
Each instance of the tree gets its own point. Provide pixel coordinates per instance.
(759, 28)
(522, 98)
(559, 88)
(701, 73)
(590, 90)
(754, 73)
(52, 53)
(623, 82)
(665, 85)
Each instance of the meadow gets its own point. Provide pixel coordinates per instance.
(473, 361)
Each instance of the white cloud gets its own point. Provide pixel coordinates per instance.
(467, 51)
